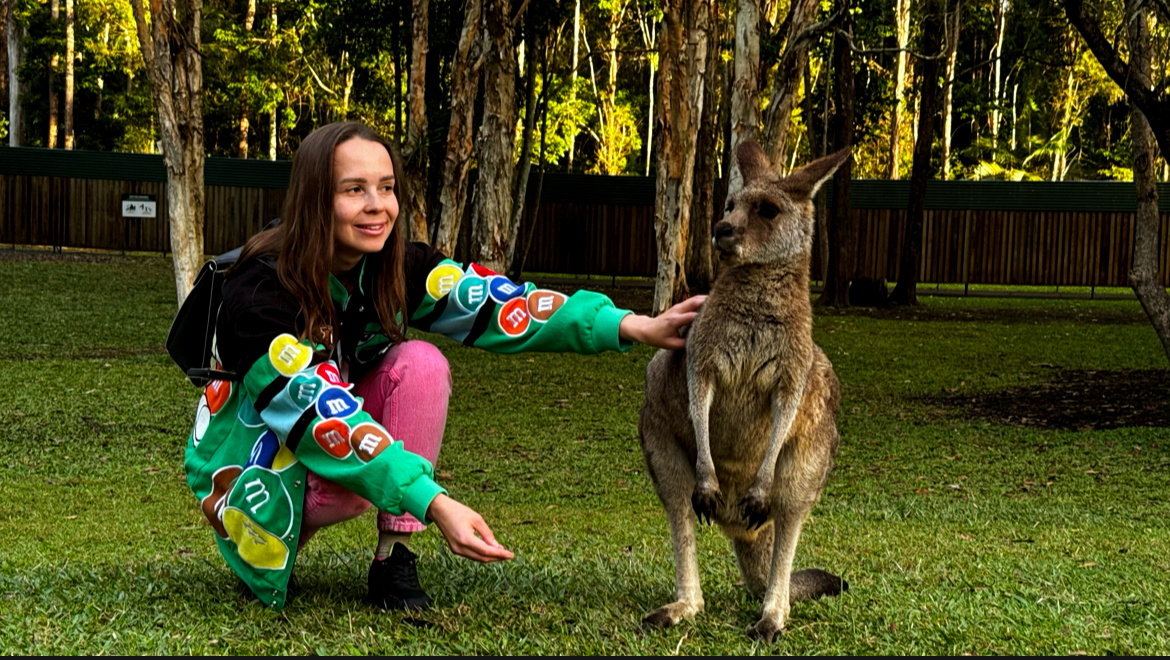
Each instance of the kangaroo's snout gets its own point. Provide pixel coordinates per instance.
(724, 237)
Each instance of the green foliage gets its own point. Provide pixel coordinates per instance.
(958, 534)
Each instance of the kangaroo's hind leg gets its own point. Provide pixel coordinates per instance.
(753, 555)
(664, 429)
(786, 532)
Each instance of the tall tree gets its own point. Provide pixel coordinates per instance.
(496, 143)
(1145, 277)
(54, 62)
(16, 86)
(952, 50)
(69, 57)
(465, 70)
(682, 60)
(700, 269)
(170, 42)
(745, 85)
(415, 147)
(906, 291)
(902, 33)
(842, 235)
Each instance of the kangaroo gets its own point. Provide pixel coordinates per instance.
(739, 427)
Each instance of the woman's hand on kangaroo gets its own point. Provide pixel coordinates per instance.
(465, 531)
(662, 331)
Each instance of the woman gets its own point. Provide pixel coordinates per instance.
(321, 302)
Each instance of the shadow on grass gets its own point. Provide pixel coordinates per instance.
(1074, 400)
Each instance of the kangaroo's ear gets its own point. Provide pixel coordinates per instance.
(753, 162)
(806, 181)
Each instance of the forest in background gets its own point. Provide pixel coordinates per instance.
(922, 89)
(1023, 96)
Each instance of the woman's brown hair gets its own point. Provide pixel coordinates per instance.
(304, 239)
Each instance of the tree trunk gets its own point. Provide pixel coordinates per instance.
(842, 237)
(174, 68)
(518, 200)
(794, 59)
(273, 122)
(573, 76)
(69, 55)
(496, 143)
(953, 24)
(1000, 16)
(906, 291)
(465, 80)
(700, 270)
(1145, 277)
(745, 93)
(54, 62)
(682, 60)
(416, 147)
(902, 33)
(16, 87)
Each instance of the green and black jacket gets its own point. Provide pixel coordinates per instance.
(255, 440)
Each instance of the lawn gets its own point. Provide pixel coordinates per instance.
(962, 526)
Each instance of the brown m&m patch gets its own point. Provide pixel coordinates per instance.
(368, 440)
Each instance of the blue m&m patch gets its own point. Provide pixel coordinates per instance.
(264, 450)
(502, 289)
(336, 402)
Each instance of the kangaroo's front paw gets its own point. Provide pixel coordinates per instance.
(766, 629)
(755, 510)
(705, 501)
(670, 614)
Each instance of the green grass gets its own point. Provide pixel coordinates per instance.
(956, 534)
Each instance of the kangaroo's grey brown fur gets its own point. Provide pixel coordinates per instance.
(739, 427)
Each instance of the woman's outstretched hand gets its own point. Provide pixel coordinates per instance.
(662, 331)
(465, 531)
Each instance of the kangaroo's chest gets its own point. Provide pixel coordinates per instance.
(743, 352)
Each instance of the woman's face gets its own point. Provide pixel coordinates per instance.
(364, 204)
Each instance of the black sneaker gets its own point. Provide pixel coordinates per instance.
(393, 582)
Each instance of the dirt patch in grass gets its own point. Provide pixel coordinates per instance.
(1075, 400)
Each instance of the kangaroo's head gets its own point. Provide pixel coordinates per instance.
(770, 219)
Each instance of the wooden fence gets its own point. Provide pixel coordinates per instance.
(1073, 233)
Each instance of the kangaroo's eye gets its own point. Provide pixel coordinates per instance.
(768, 210)
(730, 207)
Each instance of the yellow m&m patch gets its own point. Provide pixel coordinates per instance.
(256, 546)
(288, 355)
(443, 279)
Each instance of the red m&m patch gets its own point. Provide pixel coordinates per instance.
(513, 318)
(483, 272)
(332, 435)
(329, 373)
(218, 392)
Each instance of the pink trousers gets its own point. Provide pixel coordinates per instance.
(407, 393)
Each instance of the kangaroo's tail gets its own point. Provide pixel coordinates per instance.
(814, 583)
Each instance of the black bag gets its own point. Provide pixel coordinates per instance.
(193, 331)
(192, 334)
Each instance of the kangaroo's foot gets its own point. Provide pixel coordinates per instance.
(766, 629)
(706, 500)
(670, 614)
(755, 509)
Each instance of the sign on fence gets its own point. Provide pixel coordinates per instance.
(139, 206)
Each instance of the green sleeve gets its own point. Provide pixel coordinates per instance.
(301, 399)
(480, 308)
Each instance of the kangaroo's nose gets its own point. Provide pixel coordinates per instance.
(723, 231)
